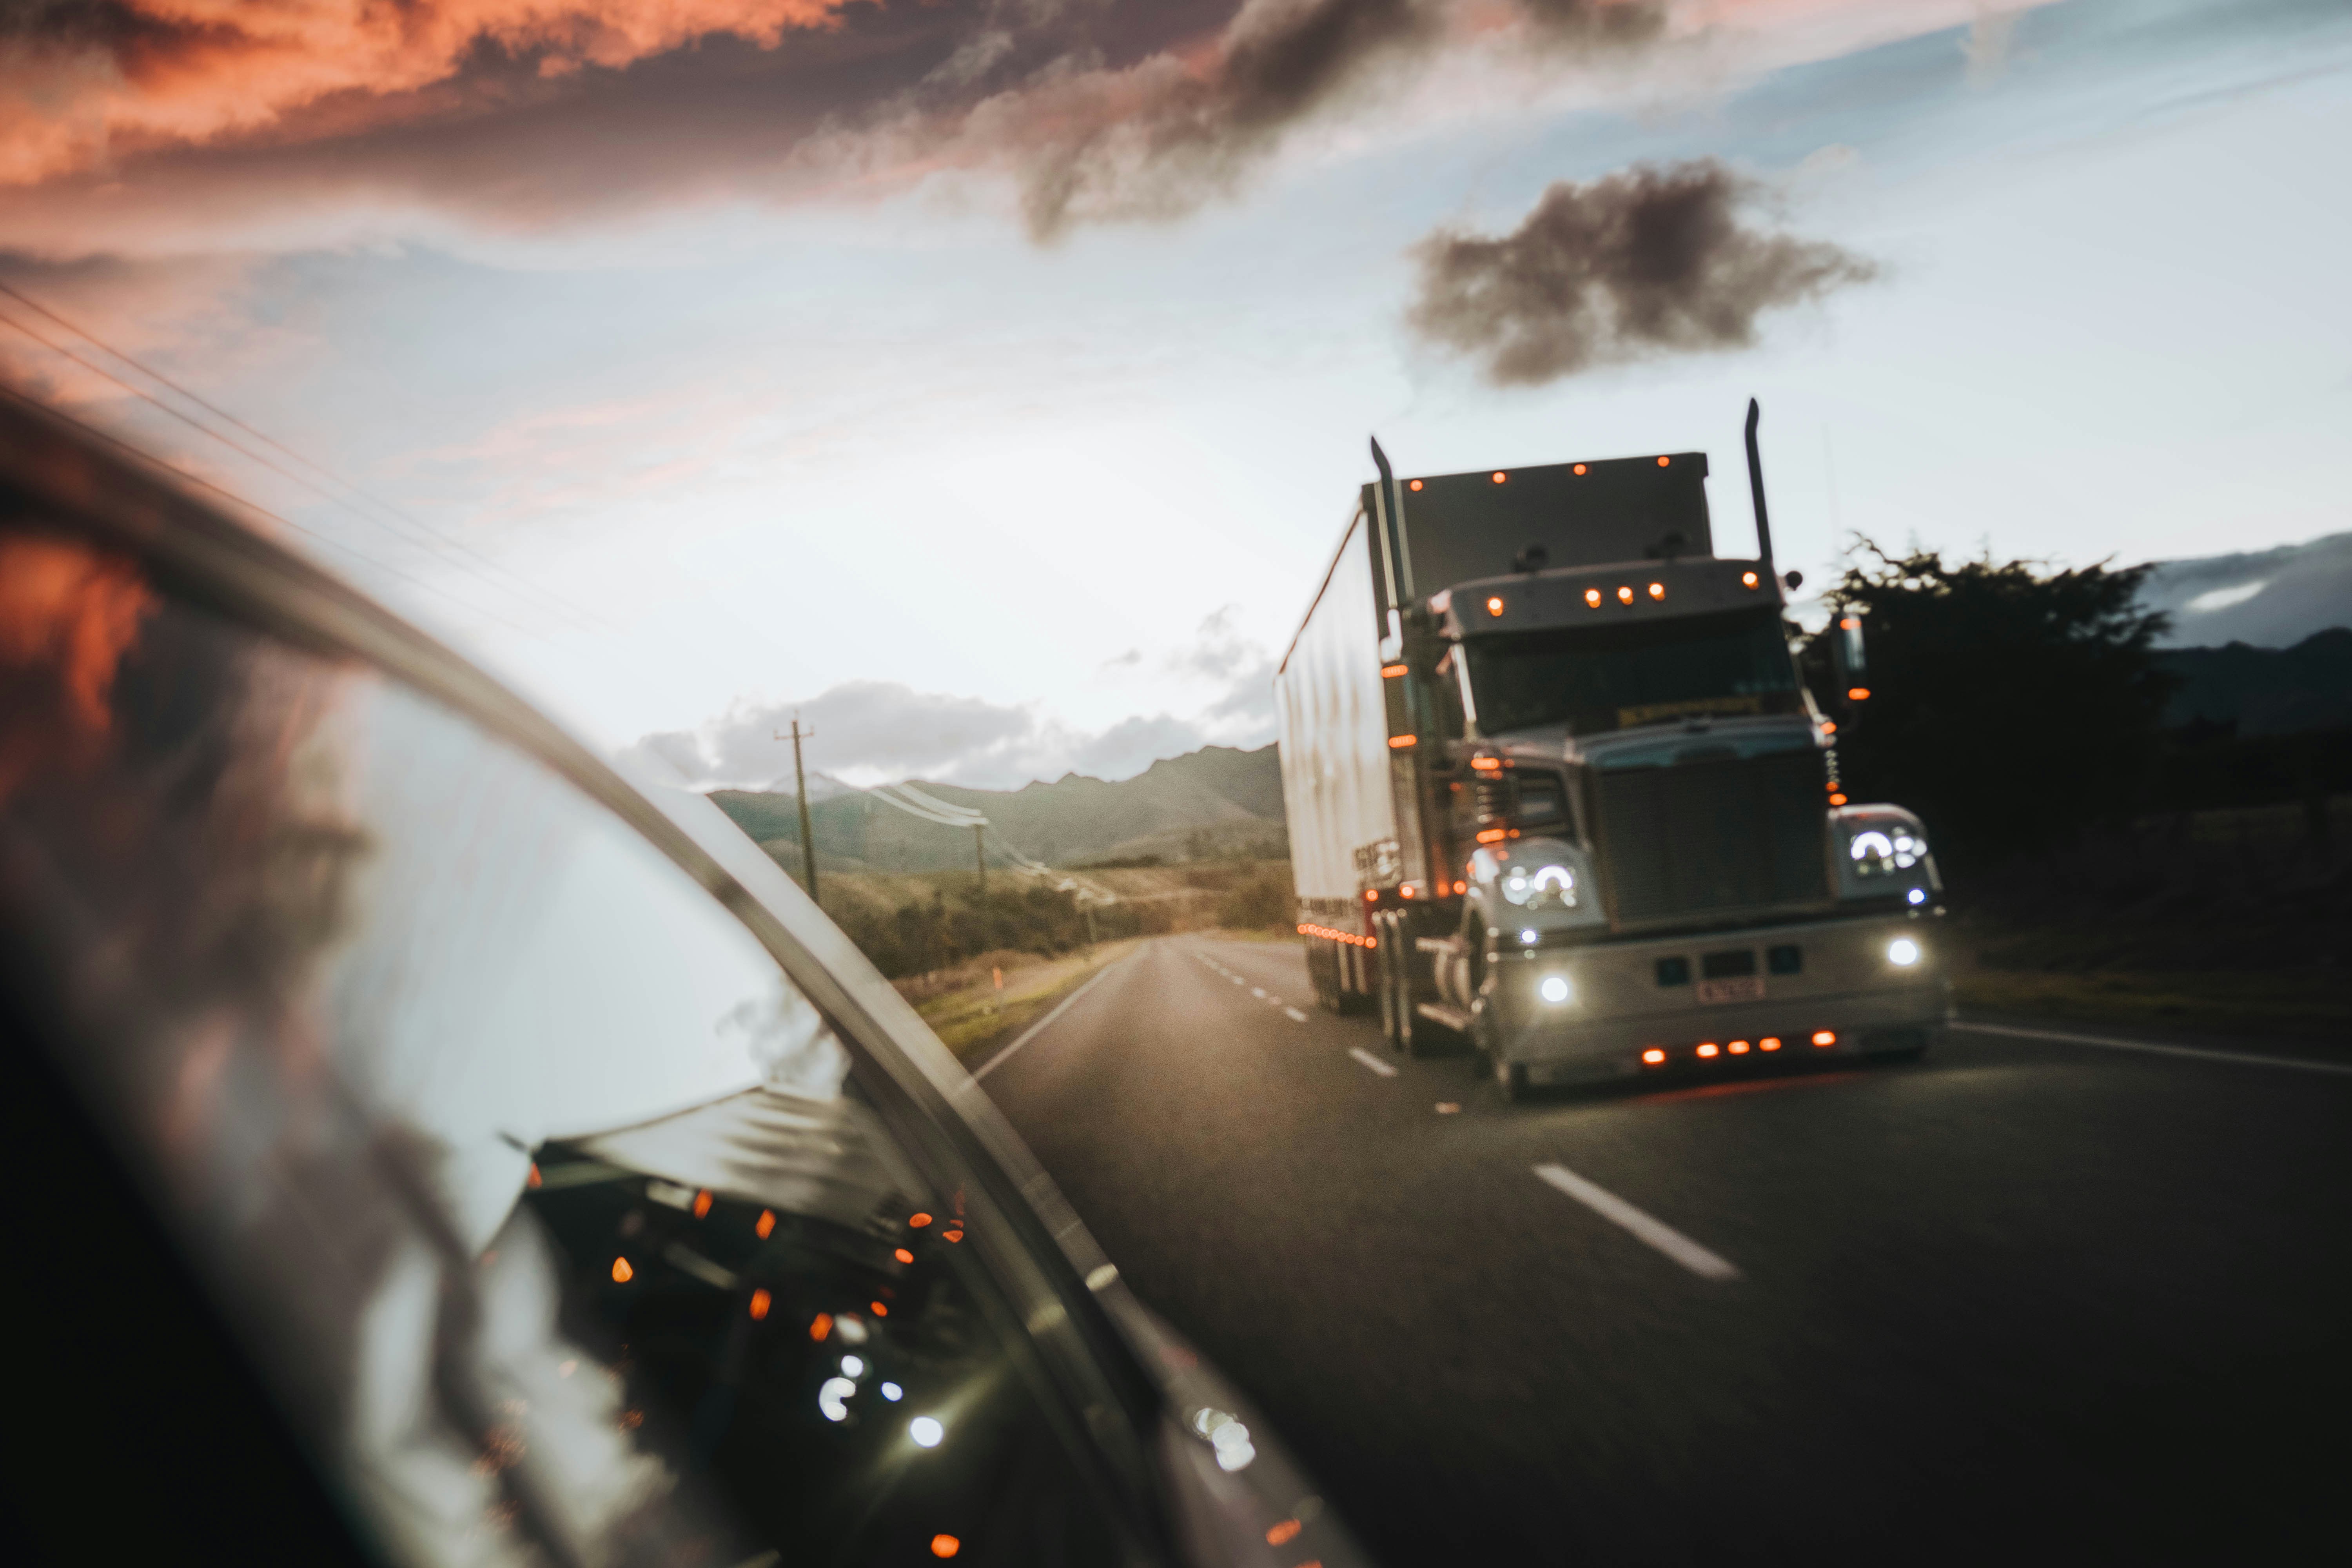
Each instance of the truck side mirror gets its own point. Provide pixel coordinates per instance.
(1848, 658)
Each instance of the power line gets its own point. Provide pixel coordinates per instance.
(546, 599)
(257, 510)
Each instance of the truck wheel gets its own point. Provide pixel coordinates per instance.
(1511, 1077)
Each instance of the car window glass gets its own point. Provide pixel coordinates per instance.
(541, 1199)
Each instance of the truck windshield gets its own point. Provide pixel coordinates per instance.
(1601, 677)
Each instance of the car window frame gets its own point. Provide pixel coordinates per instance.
(1094, 1388)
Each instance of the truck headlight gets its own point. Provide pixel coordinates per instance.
(1554, 989)
(1903, 952)
(1539, 886)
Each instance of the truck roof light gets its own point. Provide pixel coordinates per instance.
(1748, 579)
(1399, 742)
(1592, 597)
(1494, 606)
(1390, 672)
(1414, 485)
(1580, 467)
(1657, 590)
(1624, 595)
(1663, 461)
(1498, 476)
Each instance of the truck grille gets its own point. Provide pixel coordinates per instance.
(1708, 838)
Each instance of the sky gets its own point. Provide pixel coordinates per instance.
(988, 381)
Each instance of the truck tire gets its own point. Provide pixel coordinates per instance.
(1511, 1079)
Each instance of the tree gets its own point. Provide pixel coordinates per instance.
(2011, 707)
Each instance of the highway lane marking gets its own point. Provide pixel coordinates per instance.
(1258, 992)
(1296, 1015)
(1385, 1069)
(1657, 1233)
(2152, 1049)
(1037, 1028)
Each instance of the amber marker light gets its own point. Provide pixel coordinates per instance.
(1498, 477)
(1769, 1043)
(1592, 598)
(877, 1309)
(1413, 485)
(1737, 1047)
(1284, 1534)
(1654, 1057)
(533, 1180)
(1494, 606)
(945, 1546)
(1829, 726)
(1460, 889)
(903, 1256)
(622, 1272)
(1837, 800)
(918, 1220)
(1748, 579)
(1399, 742)
(702, 1204)
(1825, 1036)
(1579, 468)
(1710, 1049)
(1663, 461)
(1492, 835)
(1857, 694)
(1625, 595)
(767, 1223)
(955, 1234)
(1487, 764)
(760, 1302)
(1372, 895)
(1657, 590)
(1390, 672)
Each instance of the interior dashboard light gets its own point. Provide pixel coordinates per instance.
(1592, 598)
(1624, 595)
(1903, 952)
(1495, 606)
(1657, 590)
(1748, 579)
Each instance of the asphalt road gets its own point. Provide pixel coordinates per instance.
(2027, 1299)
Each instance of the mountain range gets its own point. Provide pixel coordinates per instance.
(1213, 801)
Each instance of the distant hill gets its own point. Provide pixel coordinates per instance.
(2264, 690)
(2269, 598)
(1215, 801)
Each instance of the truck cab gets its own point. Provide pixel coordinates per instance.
(1616, 841)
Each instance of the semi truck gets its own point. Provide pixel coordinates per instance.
(1554, 788)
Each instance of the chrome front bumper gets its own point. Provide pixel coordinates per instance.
(1846, 986)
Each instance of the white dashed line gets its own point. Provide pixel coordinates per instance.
(1258, 992)
(1658, 1234)
(1296, 1015)
(1371, 1061)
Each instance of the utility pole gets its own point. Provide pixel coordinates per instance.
(980, 853)
(800, 786)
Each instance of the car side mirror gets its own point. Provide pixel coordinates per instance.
(1849, 659)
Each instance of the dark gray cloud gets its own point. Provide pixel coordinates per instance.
(1644, 262)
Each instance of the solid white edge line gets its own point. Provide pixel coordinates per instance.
(1386, 1069)
(2150, 1047)
(1658, 1234)
(1033, 1030)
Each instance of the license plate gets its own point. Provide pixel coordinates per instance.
(1742, 988)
